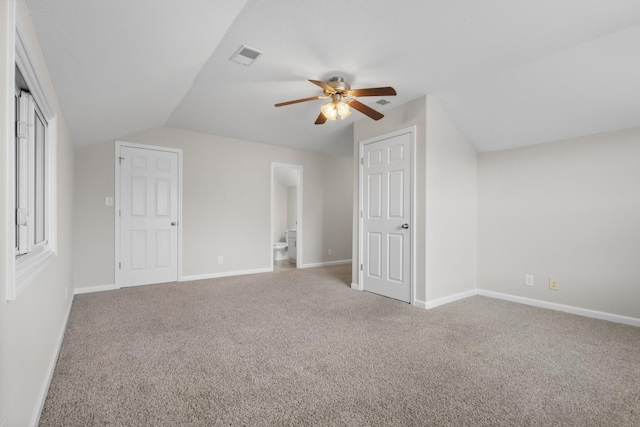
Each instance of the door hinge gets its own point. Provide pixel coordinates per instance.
(119, 212)
(22, 129)
(120, 159)
(362, 160)
(120, 266)
(361, 214)
(361, 267)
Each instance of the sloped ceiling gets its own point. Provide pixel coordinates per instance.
(509, 73)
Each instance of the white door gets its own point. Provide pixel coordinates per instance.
(386, 186)
(148, 216)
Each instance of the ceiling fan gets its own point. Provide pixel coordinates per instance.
(340, 93)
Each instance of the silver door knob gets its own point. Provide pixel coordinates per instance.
(173, 223)
(405, 226)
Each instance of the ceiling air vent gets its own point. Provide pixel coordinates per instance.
(245, 55)
(383, 102)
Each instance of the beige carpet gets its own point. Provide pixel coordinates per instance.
(300, 348)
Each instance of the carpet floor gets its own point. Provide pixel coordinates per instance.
(300, 348)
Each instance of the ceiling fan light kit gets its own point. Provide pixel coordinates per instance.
(337, 107)
(342, 98)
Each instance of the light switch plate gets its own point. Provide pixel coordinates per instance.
(528, 279)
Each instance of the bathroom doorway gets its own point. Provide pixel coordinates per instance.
(286, 216)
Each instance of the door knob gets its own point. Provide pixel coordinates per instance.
(173, 223)
(405, 226)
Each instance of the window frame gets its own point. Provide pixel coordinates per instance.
(32, 182)
(24, 269)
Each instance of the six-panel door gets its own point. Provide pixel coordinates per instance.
(149, 215)
(387, 217)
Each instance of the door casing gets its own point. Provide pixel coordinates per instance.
(412, 136)
(117, 204)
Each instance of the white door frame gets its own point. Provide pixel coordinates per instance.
(412, 136)
(299, 239)
(117, 204)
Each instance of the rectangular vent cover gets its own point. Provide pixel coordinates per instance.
(245, 55)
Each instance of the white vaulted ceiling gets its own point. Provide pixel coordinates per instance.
(509, 73)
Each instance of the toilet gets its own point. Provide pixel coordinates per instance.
(279, 251)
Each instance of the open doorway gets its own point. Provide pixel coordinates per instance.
(286, 216)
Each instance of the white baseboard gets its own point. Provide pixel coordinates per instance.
(561, 307)
(101, 288)
(225, 274)
(35, 418)
(419, 303)
(325, 264)
(446, 300)
(90, 289)
(355, 286)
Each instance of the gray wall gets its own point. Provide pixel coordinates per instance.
(451, 211)
(31, 326)
(226, 204)
(568, 210)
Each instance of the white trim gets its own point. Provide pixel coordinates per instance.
(91, 289)
(42, 395)
(412, 131)
(326, 264)
(447, 299)
(116, 215)
(116, 258)
(355, 286)
(225, 274)
(420, 304)
(633, 321)
(28, 268)
(30, 71)
(9, 83)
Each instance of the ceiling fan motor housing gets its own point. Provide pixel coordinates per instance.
(339, 86)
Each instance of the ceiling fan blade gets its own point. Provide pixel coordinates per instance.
(374, 91)
(323, 85)
(313, 98)
(321, 119)
(365, 109)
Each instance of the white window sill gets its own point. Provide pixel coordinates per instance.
(28, 267)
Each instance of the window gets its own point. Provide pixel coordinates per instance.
(31, 171)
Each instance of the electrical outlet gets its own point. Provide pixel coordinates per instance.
(329, 252)
(108, 201)
(553, 284)
(220, 260)
(528, 279)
